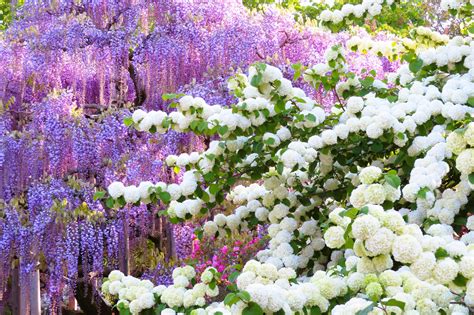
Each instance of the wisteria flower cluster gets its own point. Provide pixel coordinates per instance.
(70, 71)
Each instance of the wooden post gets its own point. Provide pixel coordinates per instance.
(35, 292)
(23, 299)
(72, 302)
(126, 247)
(172, 243)
(15, 290)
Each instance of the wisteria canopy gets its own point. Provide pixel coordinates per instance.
(236, 157)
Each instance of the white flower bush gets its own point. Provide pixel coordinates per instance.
(135, 295)
(368, 8)
(365, 205)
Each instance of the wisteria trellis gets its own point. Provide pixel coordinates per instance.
(70, 71)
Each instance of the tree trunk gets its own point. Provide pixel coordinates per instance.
(171, 240)
(35, 292)
(72, 302)
(15, 291)
(126, 249)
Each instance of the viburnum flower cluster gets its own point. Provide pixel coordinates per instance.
(387, 48)
(364, 205)
(421, 38)
(137, 295)
(369, 8)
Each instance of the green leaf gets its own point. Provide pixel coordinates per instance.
(311, 117)
(377, 147)
(256, 80)
(349, 244)
(99, 195)
(124, 311)
(176, 169)
(416, 65)
(199, 232)
(280, 106)
(280, 168)
(270, 141)
(471, 29)
(367, 82)
(366, 310)
(471, 178)
(408, 57)
(214, 189)
(393, 180)
(222, 130)
(252, 309)
(441, 253)
(174, 220)
(166, 122)
(315, 310)
(297, 67)
(212, 284)
(393, 302)
(422, 192)
(351, 213)
(470, 101)
(170, 96)
(230, 299)
(110, 202)
(460, 280)
(128, 121)
(234, 276)
(244, 296)
(159, 309)
(165, 196)
(460, 221)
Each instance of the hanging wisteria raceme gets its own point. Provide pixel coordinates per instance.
(72, 70)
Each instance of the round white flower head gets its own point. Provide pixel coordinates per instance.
(365, 226)
(445, 270)
(406, 249)
(138, 115)
(334, 237)
(207, 275)
(355, 104)
(210, 228)
(116, 275)
(369, 174)
(131, 194)
(116, 189)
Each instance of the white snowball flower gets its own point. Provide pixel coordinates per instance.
(365, 226)
(369, 174)
(456, 142)
(210, 228)
(138, 115)
(329, 137)
(380, 243)
(116, 189)
(355, 104)
(406, 249)
(334, 237)
(131, 194)
(116, 275)
(445, 270)
(220, 219)
(470, 223)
